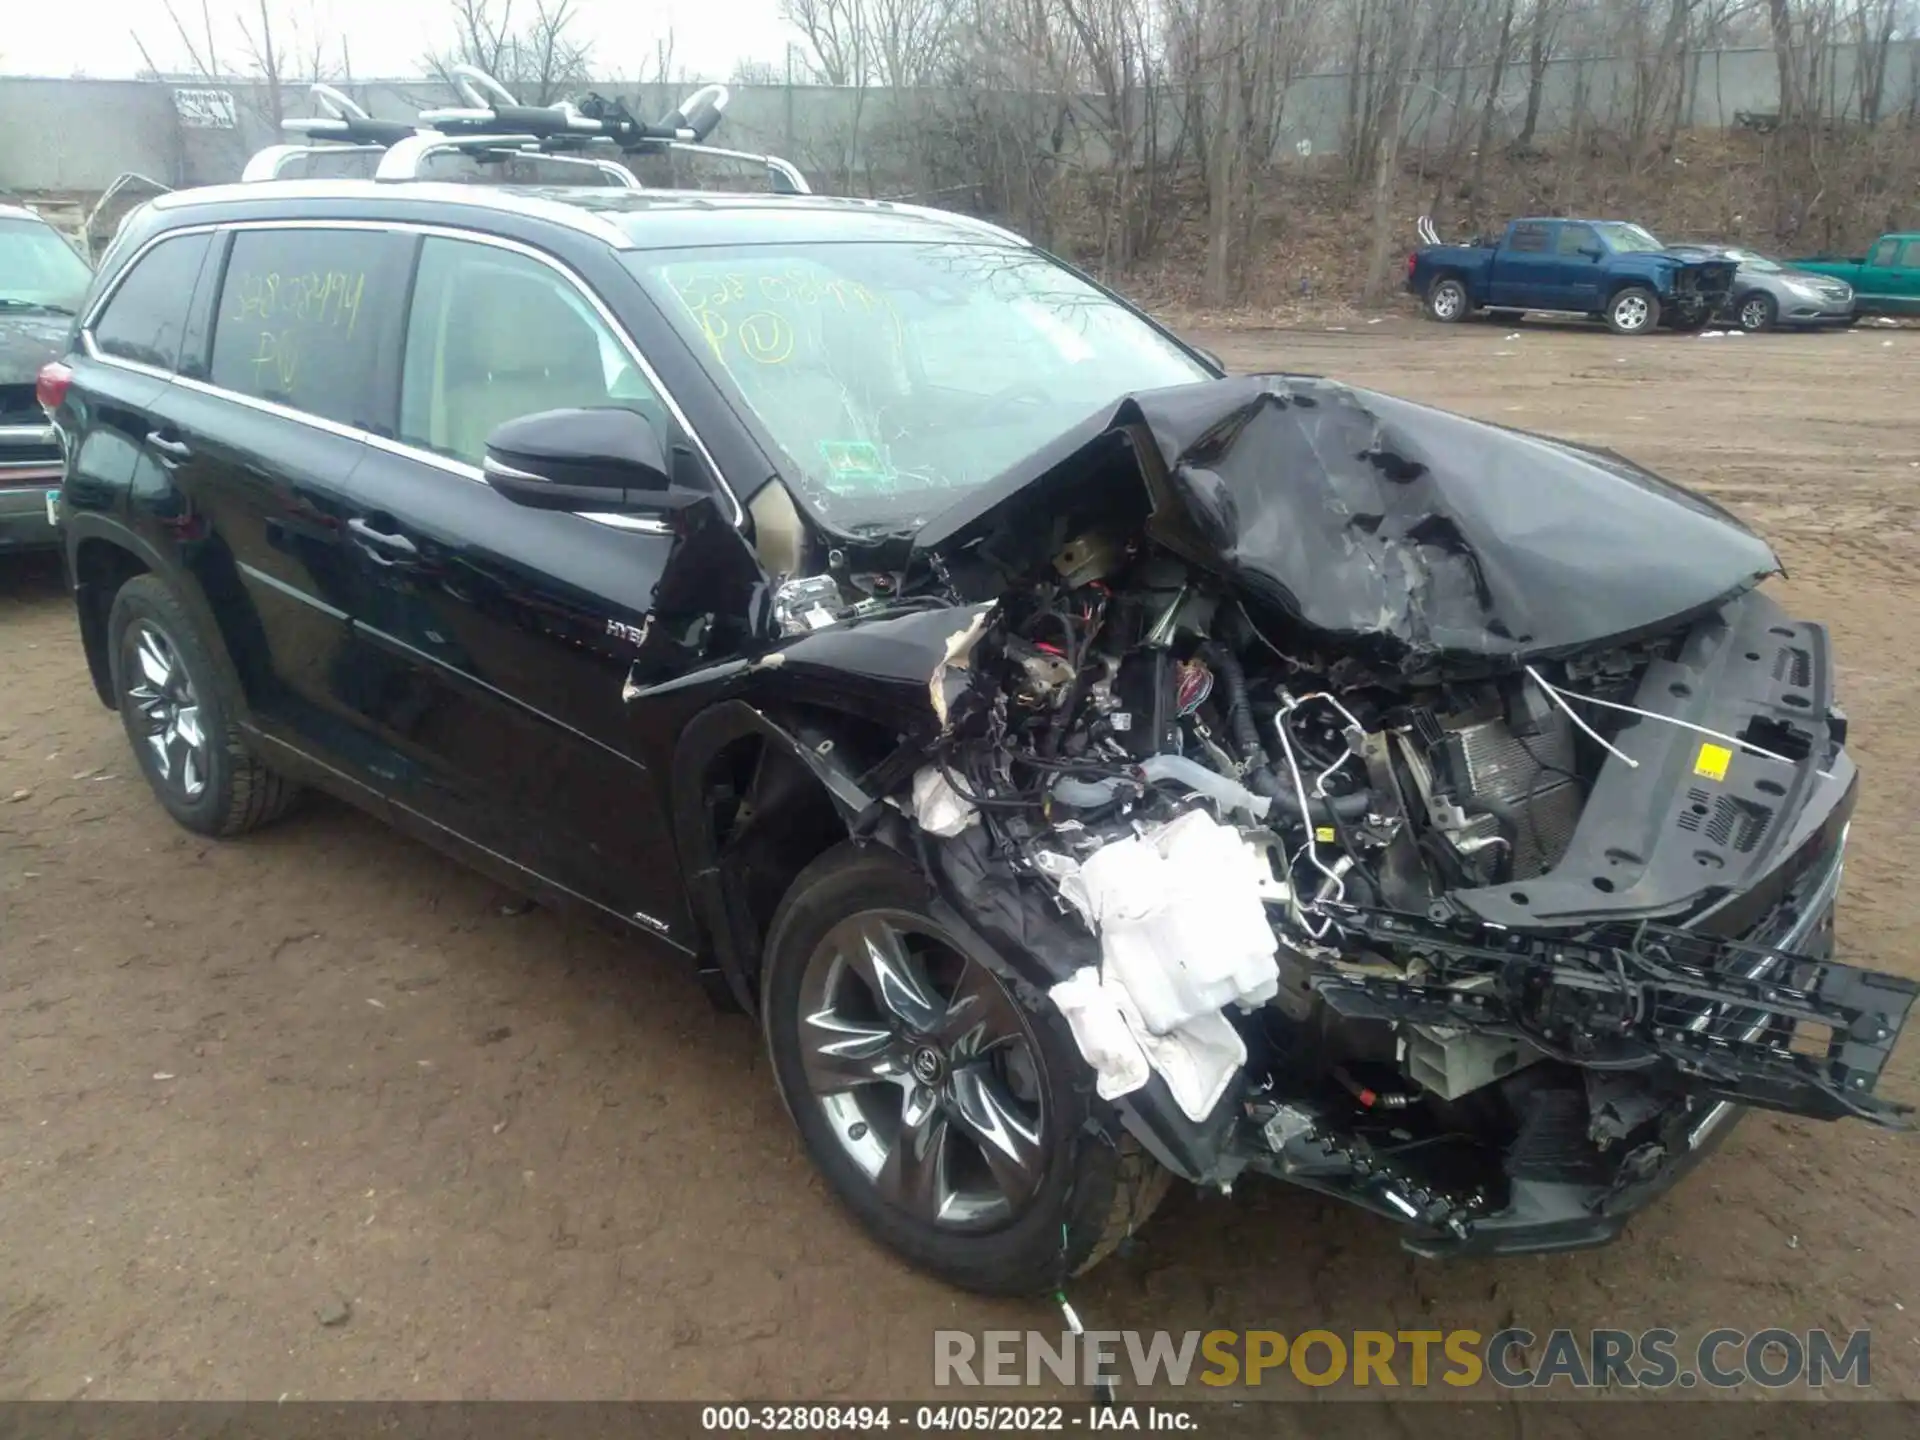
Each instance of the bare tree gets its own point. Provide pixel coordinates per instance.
(1401, 40)
(1542, 26)
(1483, 142)
(840, 35)
(540, 62)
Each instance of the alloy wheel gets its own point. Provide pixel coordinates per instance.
(1753, 315)
(1632, 312)
(1446, 301)
(926, 1069)
(169, 711)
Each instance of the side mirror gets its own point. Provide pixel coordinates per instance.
(1593, 252)
(608, 460)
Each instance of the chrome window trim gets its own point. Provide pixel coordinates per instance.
(105, 297)
(491, 466)
(381, 442)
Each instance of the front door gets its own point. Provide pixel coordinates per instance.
(1878, 288)
(499, 637)
(1578, 263)
(1904, 297)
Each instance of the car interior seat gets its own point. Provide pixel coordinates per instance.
(513, 347)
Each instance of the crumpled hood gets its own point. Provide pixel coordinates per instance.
(27, 341)
(1409, 534)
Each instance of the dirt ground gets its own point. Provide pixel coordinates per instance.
(322, 1075)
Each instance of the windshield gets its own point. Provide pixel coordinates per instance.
(1752, 260)
(39, 270)
(896, 375)
(1628, 239)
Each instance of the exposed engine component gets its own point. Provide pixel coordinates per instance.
(1287, 860)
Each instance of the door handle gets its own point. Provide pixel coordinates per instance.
(382, 546)
(171, 452)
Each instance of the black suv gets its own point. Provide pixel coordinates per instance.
(1088, 768)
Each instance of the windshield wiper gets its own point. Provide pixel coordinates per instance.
(9, 302)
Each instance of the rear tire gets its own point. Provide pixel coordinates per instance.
(1634, 311)
(1756, 312)
(849, 1067)
(178, 719)
(1447, 301)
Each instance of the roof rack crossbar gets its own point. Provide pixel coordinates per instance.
(494, 125)
(268, 163)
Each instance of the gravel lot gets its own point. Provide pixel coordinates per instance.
(315, 1114)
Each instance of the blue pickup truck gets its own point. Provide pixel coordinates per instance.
(1607, 269)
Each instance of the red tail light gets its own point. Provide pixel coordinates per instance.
(51, 388)
(1412, 257)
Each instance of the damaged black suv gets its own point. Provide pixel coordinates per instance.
(1088, 769)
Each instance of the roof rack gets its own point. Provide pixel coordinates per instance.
(493, 126)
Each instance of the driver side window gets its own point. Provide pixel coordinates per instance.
(1575, 238)
(493, 335)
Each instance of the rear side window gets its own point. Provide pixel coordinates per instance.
(1883, 253)
(1529, 238)
(301, 316)
(147, 314)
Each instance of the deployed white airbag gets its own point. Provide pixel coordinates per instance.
(1183, 934)
(1180, 920)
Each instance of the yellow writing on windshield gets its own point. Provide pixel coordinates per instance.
(760, 313)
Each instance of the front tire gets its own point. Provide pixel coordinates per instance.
(1757, 312)
(1634, 311)
(177, 718)
(1447, 301)
(940, 1095)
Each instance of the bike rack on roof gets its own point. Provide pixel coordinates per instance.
(493, 126)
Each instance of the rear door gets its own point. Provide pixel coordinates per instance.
(128, 350)
(1523, 268)
(499, 638)
(264, 430)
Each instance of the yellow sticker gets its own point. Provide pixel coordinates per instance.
(1323, 835)
(1712, 761)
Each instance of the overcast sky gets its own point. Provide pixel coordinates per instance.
(385, 37)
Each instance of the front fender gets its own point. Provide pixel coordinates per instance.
(730, 934)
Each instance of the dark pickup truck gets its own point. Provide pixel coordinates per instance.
(1607, 269)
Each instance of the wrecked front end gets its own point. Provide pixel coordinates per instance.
(1701, 288)
(1430, 815)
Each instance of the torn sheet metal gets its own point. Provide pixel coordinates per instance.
(1409, 534)
(950, 677)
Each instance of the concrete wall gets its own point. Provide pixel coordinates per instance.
(76, 136)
